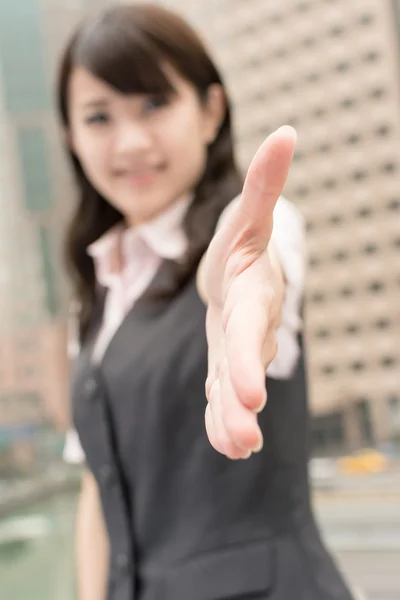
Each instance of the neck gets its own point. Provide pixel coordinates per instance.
(174, 210)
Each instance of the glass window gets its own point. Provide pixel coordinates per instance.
(21, 58)
(52, 303)
(33, 153)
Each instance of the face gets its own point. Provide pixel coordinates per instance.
(141, 152)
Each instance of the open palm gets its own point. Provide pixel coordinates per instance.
(244, 288)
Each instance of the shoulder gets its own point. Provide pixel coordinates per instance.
(289, 232)
(286, 213)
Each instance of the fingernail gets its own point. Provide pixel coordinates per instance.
(247, 455)
(289, 129)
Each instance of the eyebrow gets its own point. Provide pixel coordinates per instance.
(100, 103)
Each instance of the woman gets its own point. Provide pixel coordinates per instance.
(165, 511)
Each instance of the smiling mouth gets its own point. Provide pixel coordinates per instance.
(142, 174)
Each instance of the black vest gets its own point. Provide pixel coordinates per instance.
(184, 522)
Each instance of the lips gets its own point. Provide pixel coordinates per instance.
(140, 175)
(140, 172)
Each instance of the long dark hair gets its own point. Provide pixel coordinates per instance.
(125, 46)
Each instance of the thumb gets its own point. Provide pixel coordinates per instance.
(264, 183)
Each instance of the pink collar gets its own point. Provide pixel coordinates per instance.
(163, 236)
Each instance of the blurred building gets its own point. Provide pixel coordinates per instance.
(34, 201)
(331, 69)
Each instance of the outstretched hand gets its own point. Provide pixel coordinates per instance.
(244, 288)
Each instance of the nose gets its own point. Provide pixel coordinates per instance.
(133, 137)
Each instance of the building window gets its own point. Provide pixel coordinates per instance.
(377, 93)
(382, 131)
(394, 415)
(328, 369)
(323, 333)
(394, 204)
(363, 415)
(376, 287)
(347, 103)
(336, 220)
(22, 65)
(366, 19)
(327, 434)
(314, 261)
(352, 328)
(353, 139)
(389, 167)
(365, 212)
(52, 304)
(382, 323)
(370, 248)
(359, 175)
(317, 297)
(357, 365)
(330, 183)
(340, 255)
(324, 148)
(346, 291)
(388, 361)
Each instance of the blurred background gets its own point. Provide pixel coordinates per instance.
(330, 68)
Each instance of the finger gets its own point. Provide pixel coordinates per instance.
(210, 429)
(215, 342)
(215, 440)
(220, 439)
(249, 222)
(240, 422)
(248, 322)
(263, 185)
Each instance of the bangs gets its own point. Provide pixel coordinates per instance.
(120, 54)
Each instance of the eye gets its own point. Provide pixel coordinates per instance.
(98, 117)
(155, 101)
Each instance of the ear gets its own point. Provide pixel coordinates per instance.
(215, 108)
